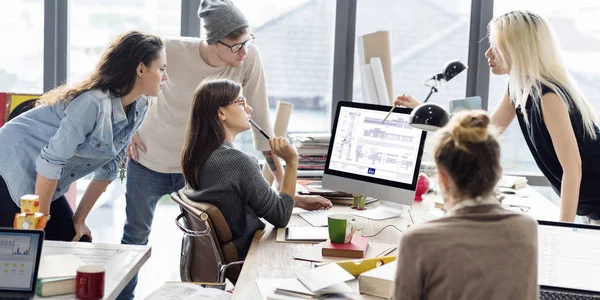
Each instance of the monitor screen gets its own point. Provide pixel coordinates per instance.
(568, 256)
(18, 259)
(363, 146)
(371, 158)
(470, 103)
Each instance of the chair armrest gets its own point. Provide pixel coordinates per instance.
(224, 268)
(188, 231)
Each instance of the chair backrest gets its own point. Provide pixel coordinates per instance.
(202, 255)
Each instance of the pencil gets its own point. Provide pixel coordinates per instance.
(391, 110)
(259, 129)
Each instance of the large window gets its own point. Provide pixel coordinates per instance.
(424, 35)
(578, 30)
(94, 24)
(295, 38)
(22, 50)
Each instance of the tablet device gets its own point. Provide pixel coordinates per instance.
(309, 234)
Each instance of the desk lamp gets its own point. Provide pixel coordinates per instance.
(430, 116)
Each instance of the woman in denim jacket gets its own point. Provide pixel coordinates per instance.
(78, 130)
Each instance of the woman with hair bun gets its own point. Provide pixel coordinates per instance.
(478, 250)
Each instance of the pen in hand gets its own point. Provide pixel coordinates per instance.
(391, 110)
(259, 129)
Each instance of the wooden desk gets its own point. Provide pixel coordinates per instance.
(121, 262)
(270, 259)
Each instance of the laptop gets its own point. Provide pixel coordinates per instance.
(20, 253)
(569, 260)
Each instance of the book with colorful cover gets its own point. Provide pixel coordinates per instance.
(357, 248)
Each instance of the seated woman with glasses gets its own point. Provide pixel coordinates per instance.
(217, 173)
(478, 250)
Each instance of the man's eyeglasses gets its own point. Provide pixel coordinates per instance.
(237, 47)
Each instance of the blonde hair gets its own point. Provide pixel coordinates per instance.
(524, 42)
(467, 149)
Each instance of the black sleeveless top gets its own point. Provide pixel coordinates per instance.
(540, 143)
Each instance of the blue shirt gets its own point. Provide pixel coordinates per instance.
(68, 141)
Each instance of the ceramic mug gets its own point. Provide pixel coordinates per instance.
(341, 228)
(90, 282)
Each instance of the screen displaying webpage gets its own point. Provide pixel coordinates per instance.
(569, 257)
(18, 253)
(364, 146)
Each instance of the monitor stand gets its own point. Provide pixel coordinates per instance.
(385, 210)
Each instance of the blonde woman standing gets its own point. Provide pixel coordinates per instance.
(557, 121)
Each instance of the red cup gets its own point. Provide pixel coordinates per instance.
(90, 282)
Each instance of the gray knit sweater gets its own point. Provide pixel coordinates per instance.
(233, 182)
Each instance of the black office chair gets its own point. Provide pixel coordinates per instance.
(21, 108)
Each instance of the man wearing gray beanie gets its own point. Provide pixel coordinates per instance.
(154, 165)
(221, 18)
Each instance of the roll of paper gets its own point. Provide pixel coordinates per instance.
(377, 44)
(369, 94)
(379, 79)
(282, 119)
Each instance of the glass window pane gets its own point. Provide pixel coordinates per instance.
(578, 32)
(295, 38)
(94, 24)
(22, 51)
(424, 35)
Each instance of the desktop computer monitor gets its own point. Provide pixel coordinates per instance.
(370, 158)
(469, 103)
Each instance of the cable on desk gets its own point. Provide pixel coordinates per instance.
(368, 236)
(410, 214)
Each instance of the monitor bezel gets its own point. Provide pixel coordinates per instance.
(38, 257)
(403, 110)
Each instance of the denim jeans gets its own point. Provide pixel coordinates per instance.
(144, 188)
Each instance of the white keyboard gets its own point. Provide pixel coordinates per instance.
(316, 218)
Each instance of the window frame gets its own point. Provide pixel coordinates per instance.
(56, 41)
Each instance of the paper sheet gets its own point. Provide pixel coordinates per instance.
(59, 265)
(185, 291)
(319, 278)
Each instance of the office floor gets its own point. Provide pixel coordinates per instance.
(106, 223)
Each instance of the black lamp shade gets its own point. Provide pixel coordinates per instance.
(428, 117)
(452, 68)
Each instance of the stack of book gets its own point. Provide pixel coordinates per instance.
(312, 150)
(56, 274)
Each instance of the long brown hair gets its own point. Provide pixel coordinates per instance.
(467, 149)
(116, 70)
(205, 133)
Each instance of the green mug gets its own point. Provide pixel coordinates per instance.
(341, 228)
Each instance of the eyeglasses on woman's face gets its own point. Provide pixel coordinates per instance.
(241, 101)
